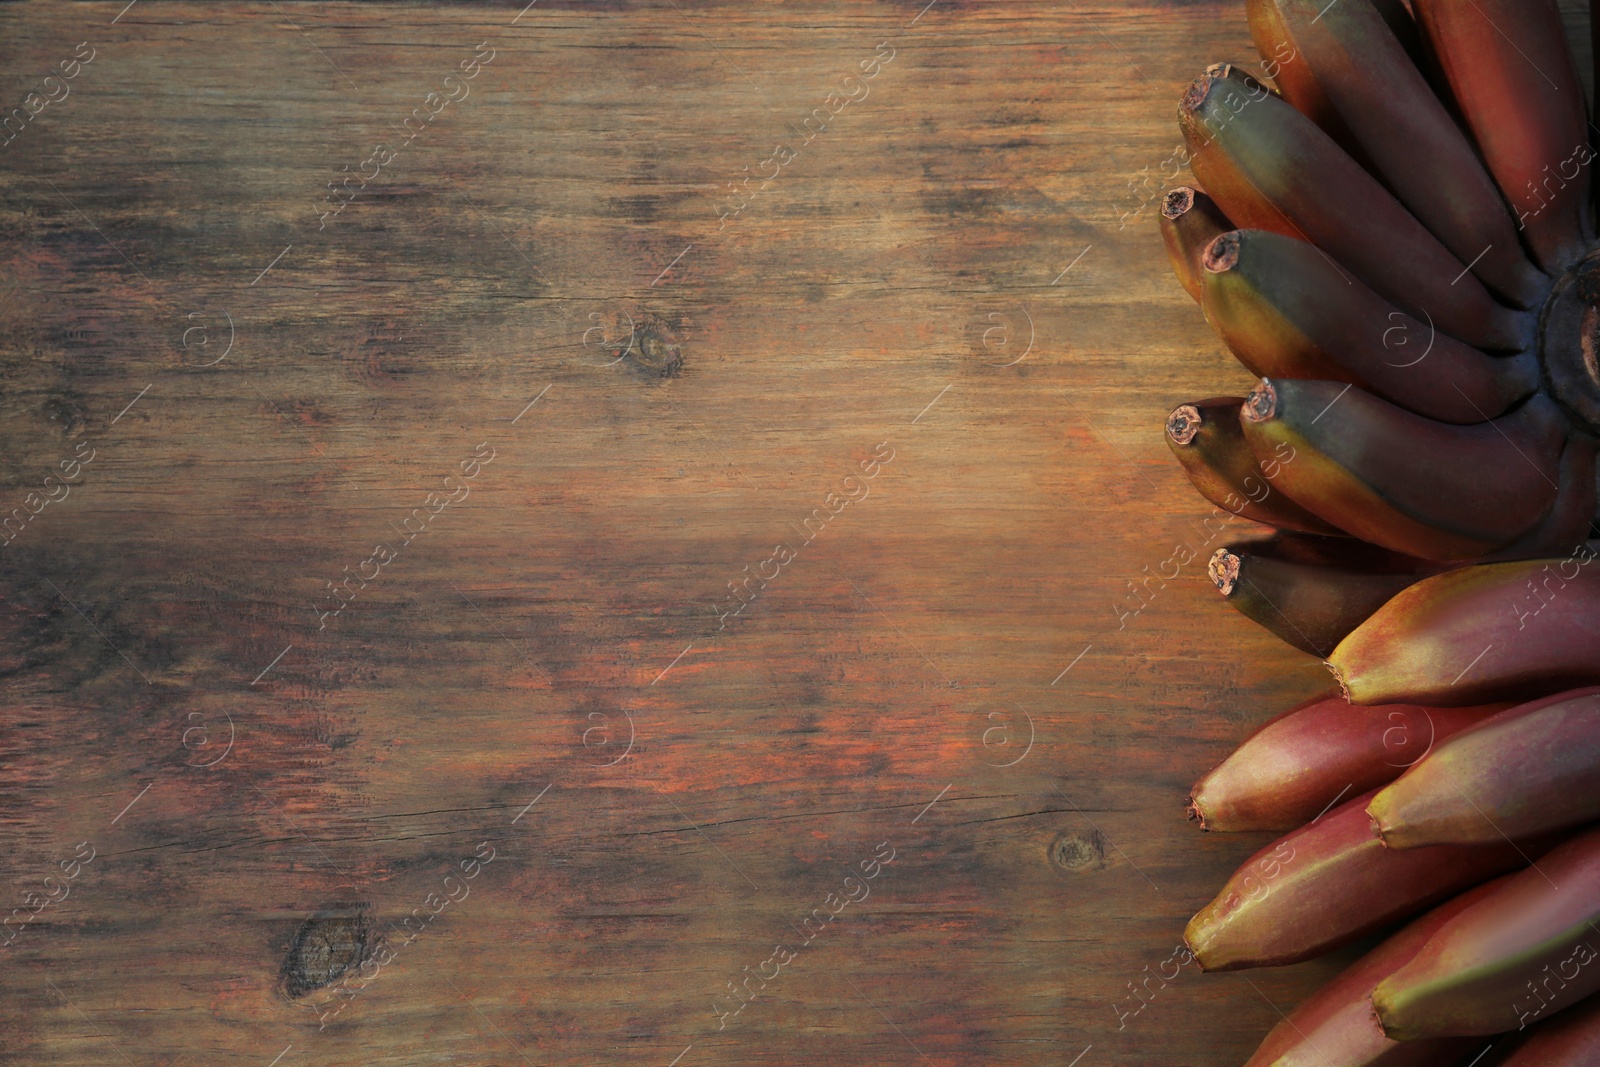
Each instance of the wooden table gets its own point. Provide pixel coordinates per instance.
(601, 533)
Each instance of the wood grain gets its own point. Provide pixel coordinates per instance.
(953, 273)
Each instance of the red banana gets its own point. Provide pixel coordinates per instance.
(1336, 1027)
(1570, 1039)
(1515, 955)
(1270, 168)
(1190, 221)
(1402, 481)
(1526, 771)
(1285, 773)
(1491, 632)
(1286, 311)
(1327, 884)
(1311, 605)
(1509, 66)
(1364, 76)
(1208, 441)
(1567, 525)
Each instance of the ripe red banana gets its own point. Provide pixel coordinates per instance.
(1282, 63)
(1309, 603)
(1327, 884)
(1294, 78)
(1335, 1027)
(1567, 525)
(1570, 1039)
(1401, 24)
(1270, 168)
(1517, 954)
(1285, 773)
(1402, 481)
(1509, 66)
(1364, 76)
(1190, 221)
(1490, 632)
(1208, 441)
(1528, 770)
(1286, 311)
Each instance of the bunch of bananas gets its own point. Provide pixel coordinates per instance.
(1397, 239)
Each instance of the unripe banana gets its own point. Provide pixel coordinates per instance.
(1404, 482)
(1207, 439)
(1365, 77)
(1286, 311)
(1270, 168)
(1190, 221)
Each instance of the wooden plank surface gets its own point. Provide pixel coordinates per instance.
(538, 399)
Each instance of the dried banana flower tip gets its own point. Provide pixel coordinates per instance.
(1263, 402)
(1222, 254)
(1178, 203)
(1194, 97)
(1183, 424)
(1224, 571)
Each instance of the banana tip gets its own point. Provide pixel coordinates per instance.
(1222, 254)
(1195, 96)
(1178, 203)
(1183, 425)
(1339, 676)
(1262, 403)
(1383, 823)
(1390, 1028)
(1223, 569)
(1189, 947)
(1377, 1016)
(1375, 826)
